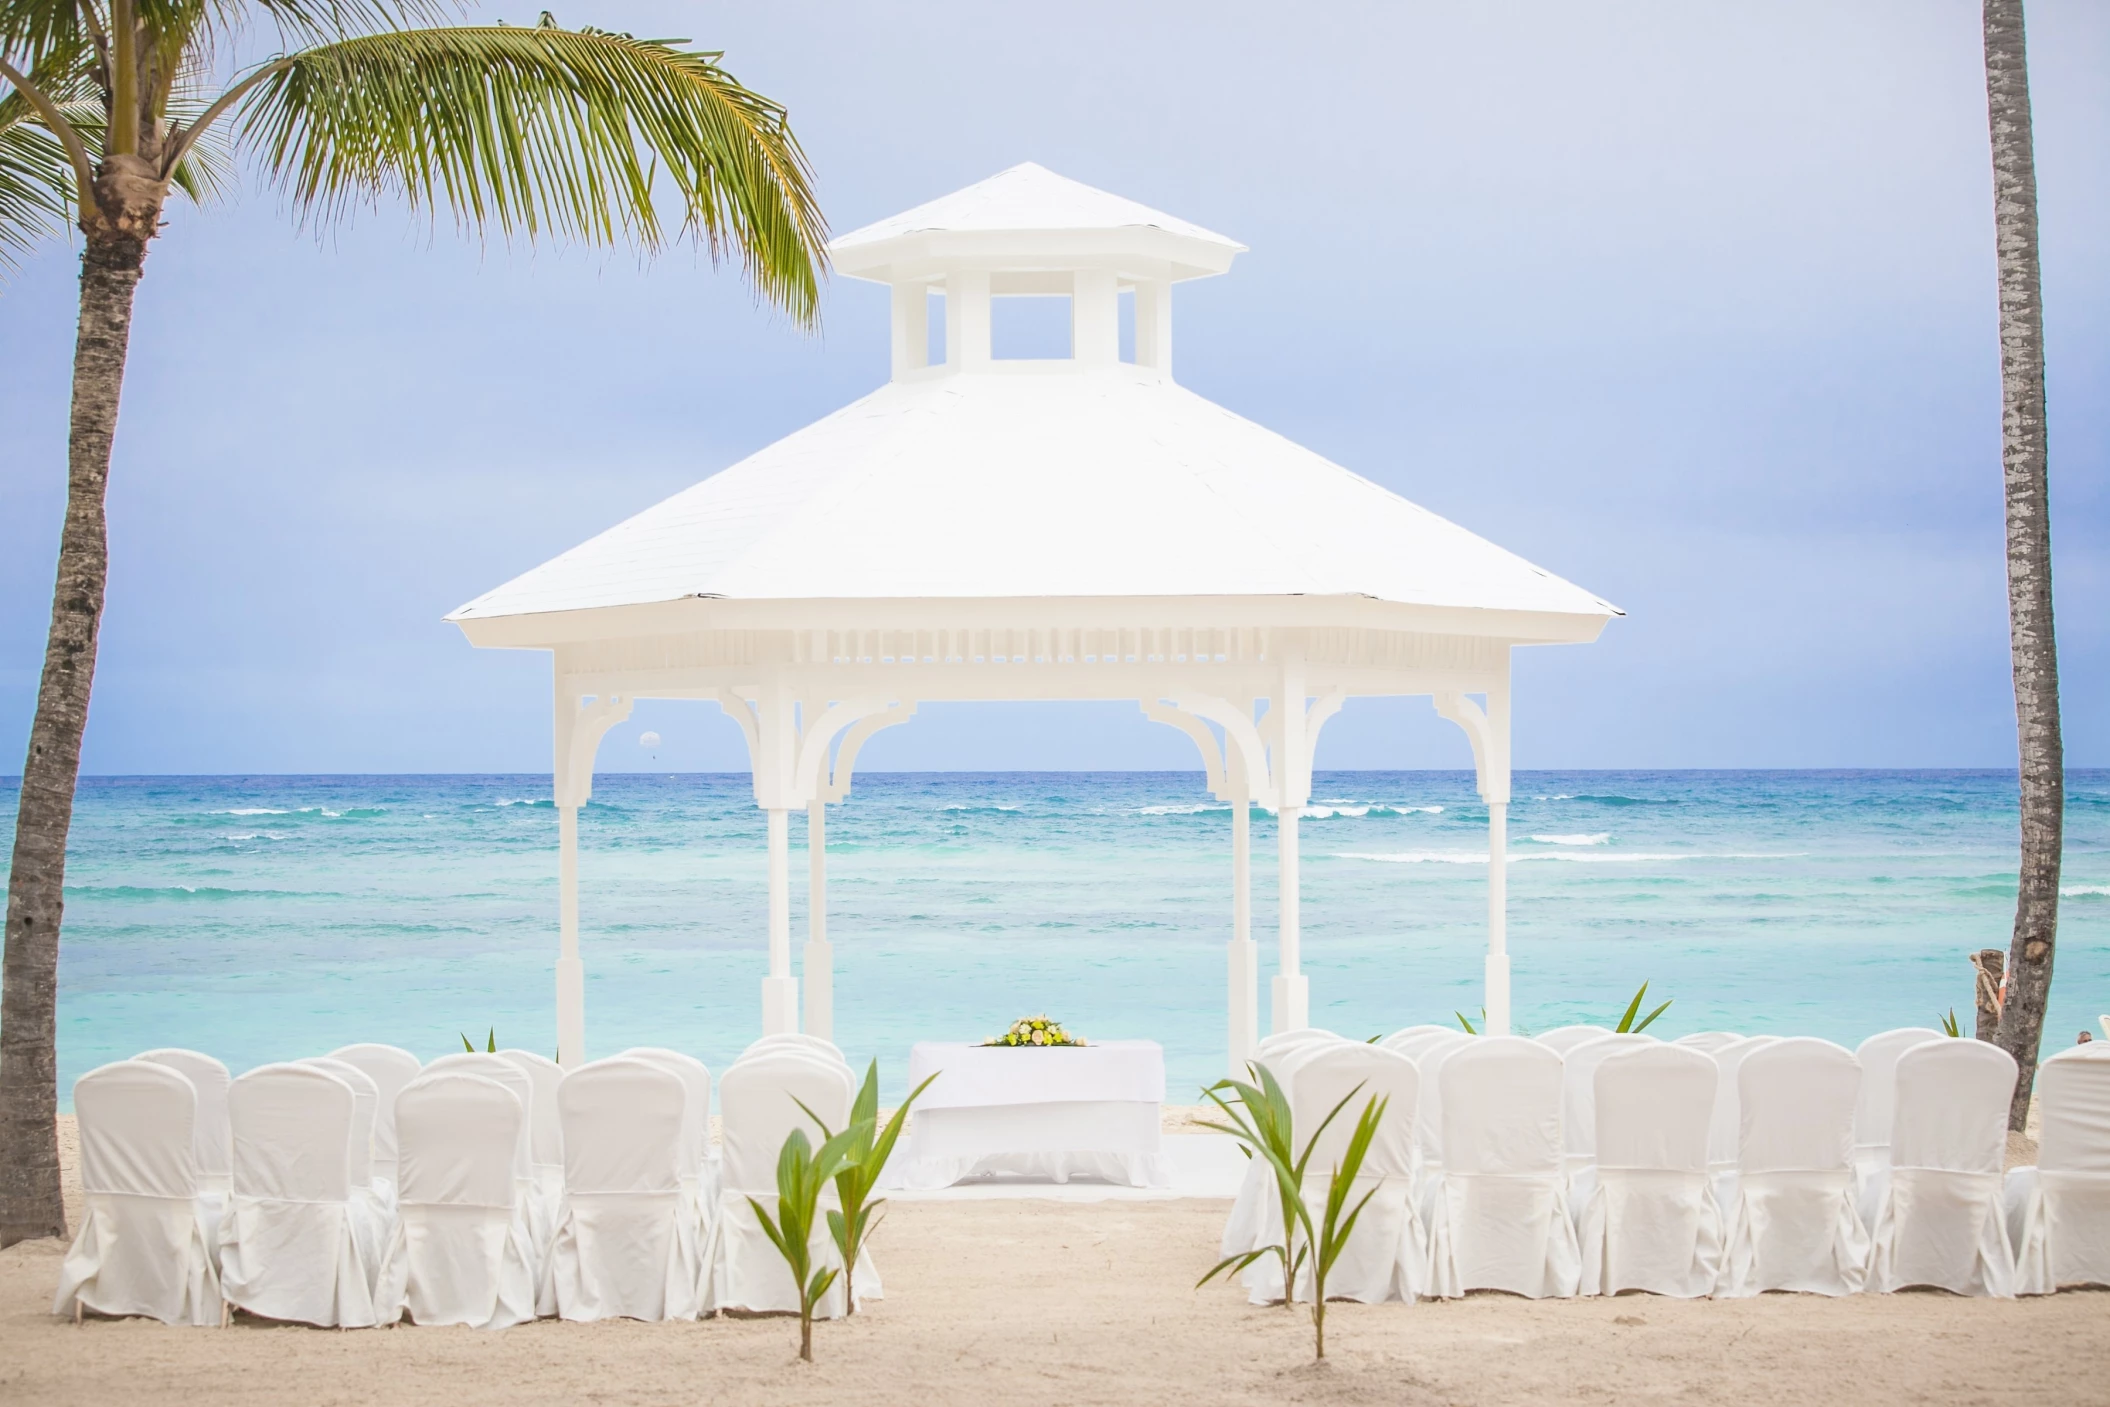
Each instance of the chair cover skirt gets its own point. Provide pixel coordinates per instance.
(297, 1261)
(1681, 1253)
(1943, 1229)
(145, 1256)
(1795, 1230)
(1503, 1231)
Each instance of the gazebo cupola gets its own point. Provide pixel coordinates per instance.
(1029, 233)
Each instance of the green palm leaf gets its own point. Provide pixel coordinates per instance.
(36, 181)
(579, 134)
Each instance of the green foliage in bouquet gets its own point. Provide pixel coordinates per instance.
(869, 1148)
(1036, 1030)
(801, 1174)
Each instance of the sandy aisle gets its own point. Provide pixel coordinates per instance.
(1043, 1302)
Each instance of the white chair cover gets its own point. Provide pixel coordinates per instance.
(144, 1246)
(799, 1040)
(1405, 1033)
(1499, 1217)
(1794, 1225)
(1940, 1221)
(1651, 1222)
(2059, 1210)
(545, 1129)
(1726, 1132)
(373, 1212)
(1708, 1042)
(212, 1149)
(541, 1197)
(1387, 1255)
(288, 1248)
(1562, 1039)
(757, 1094)
(1258, 1206)
(1579, 1110)
(462, 1252)
(390, 1069)
(1283, 1040)
(699, 1167)
(1428, 1056)
(1873, 1110)
(618, 1253)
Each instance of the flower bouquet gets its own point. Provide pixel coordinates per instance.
(1035, 1030)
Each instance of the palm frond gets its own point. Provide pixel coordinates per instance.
(36, 178)
(547, 130)
(31, 29)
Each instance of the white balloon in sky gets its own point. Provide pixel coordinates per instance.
(649, 740)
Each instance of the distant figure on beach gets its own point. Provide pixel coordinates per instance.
(2085, 1039)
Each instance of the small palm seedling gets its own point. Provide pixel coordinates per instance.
(870, 1147)
(1949, 1026)
(490, 1043)
(1334, 1231)
(801, 1174)
(1633, 1008)
(1470, 1029)
(1261, 1123)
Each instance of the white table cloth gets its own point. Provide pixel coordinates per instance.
(1041, 1113)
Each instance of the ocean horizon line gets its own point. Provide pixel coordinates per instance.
(15, 779)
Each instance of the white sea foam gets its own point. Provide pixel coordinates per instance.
(1479, 857)
(2075, 891)
(1195, 810)
(1600, 838)
(254, 811)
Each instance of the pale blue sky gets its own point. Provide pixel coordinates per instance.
(1691, 302)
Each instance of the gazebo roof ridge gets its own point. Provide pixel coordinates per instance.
(1027, 217)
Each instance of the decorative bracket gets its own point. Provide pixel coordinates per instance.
(1175, 716)
(1490, 753)
(837, 784)
(581, 722)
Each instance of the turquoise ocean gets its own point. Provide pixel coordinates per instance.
(265, 918)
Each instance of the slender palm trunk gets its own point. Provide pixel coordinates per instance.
(2025, 470)
(29, 1149)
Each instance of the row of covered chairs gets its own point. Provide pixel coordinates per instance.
(364, 1188)
(1595, 1162)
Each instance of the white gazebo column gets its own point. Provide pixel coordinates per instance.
(1488, 731)
(818, 965)
(571, 972)
(780, 990)
(774, 752)
(1494, 786)
(579, 722)
(1244, 953)
(1291, 1007)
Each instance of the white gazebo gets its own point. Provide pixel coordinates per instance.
(1077, 528)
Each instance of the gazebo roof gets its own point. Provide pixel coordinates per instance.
(1085, 478)
(1115, 482)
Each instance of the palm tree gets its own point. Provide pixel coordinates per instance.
(581, 134)
(2023, 457)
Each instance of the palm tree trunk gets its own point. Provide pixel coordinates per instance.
(29, 1149)
(2024, 456)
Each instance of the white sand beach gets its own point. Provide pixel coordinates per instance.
(1083, 1303)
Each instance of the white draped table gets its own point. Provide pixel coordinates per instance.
(1046, 1114)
